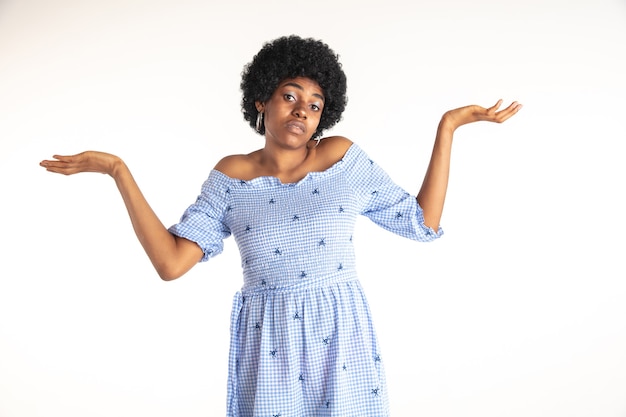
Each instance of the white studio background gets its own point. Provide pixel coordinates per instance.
(517, 311)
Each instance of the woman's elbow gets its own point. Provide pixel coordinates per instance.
(170, 272)
(167, 276)
(172, 267)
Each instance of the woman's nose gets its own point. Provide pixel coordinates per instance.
(300, 112)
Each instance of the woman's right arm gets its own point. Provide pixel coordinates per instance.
(172, 256)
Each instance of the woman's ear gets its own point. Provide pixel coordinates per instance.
(259, 106)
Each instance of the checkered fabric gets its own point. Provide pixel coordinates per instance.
(302, 339)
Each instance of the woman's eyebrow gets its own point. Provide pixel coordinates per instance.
(299, 87)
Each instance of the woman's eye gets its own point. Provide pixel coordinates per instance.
(315, 107)
(289, 97)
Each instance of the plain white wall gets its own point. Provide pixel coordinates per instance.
(517, 311)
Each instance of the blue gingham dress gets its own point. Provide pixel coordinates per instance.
(302, 339)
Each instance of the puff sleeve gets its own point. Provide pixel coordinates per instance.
(203, 221)
(383, 201)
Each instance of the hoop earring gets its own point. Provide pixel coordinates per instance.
(318, 141)
(259, 122)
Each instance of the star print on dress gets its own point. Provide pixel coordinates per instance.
(277, 228)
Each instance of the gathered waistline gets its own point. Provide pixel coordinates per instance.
(330, 279)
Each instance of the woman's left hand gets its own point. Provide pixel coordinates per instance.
(474, 113)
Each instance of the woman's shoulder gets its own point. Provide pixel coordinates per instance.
(324, 155)
(235, 166)
(332, 149)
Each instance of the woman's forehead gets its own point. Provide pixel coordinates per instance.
(304, 84)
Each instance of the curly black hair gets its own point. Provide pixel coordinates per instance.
(291, 57)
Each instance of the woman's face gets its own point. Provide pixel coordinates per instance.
(293, 112)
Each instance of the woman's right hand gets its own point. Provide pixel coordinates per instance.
(89, 161)
(171, 256)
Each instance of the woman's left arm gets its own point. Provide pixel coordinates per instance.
(432, 194)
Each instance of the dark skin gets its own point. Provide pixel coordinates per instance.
(291, 116)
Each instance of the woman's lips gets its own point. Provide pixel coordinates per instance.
(296, 126)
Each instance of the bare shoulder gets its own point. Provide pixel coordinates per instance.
(236, 166)
(332, 149)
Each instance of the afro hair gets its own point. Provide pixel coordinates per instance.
(291, 57)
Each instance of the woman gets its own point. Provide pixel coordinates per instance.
(302, 339)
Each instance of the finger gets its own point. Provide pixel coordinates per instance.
(507, 113)
(54, 166)
(513, 108)
(495, 107)
(60, 165)
(52, 163)
(513, 105)
(65, 158)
